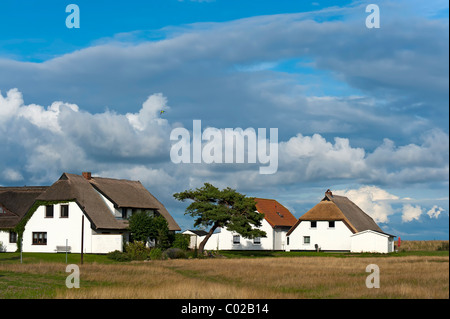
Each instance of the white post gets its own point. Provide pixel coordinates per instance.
(21, 248)
(66, 249)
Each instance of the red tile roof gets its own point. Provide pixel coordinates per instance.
(275, 213)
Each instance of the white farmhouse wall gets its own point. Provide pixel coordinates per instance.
(194, 239)
(223, 240)
(370, 241)
(279, 238)
(104, 243)
(116, 212)
(327, 238)
(59, 229)
(4, 240)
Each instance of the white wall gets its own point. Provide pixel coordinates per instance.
(337, 238)
(4, 239)
(59, 229)
(370, 241)
(223, 240)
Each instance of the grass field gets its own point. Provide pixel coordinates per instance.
(422, 274)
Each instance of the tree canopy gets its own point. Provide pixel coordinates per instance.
(145, 226)
(212, 207)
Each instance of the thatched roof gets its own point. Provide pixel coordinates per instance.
(276, 214)
(339, 208)
(123, 193)
(16, 201)
(131, 194)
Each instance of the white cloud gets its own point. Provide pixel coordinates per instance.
(374, 201)
(411, 212)
(312, 157)
(45, 118)
(9, 104)
(64, 137)
(435, 211)
(150, 112)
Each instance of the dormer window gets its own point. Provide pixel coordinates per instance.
(124, 213)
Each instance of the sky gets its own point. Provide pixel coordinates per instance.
(361, 111)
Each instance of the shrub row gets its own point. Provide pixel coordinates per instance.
(138, 251)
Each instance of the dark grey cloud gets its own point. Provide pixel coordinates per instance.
(403, 67)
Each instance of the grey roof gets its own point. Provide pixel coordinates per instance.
(355, 215)
(198, 232)
(122, 193)
(16, 201)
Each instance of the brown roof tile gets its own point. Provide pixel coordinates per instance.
(276, 214)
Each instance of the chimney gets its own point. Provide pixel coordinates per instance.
(328, 192)
(87, 175)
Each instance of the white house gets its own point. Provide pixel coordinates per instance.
(276, 223)
(82, 210)
(14, 204)
(338, 224)
(196, 237)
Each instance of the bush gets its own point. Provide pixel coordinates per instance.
(137, 250)
(181, 241)
(155, 254)
(117, 255)
(443, 246)
(174, 253)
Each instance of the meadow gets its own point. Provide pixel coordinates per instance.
(403, 275)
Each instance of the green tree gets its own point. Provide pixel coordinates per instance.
(215, 208)
(181, 241)
(144, 226)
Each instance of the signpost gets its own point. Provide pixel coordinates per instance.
(82, 237)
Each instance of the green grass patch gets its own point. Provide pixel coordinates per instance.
(16, 285)
(30, 258)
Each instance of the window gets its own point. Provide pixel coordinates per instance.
(306, 240)
(257, 241)
(39, 238)
(49, 211)
(64, 211)
(331, 224)
(236, 240)
(12, 237)
(313, 224)
(2, 211)
(287, 241)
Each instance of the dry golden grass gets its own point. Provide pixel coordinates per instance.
(421, 245)
(312, 277)
(268, 278)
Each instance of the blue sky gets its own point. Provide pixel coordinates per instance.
(361, 111)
